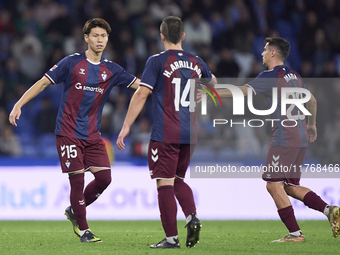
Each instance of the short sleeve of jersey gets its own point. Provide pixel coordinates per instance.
(264, 82)
(58, 73)
(150, 73)
(205, 70)
(123, 78)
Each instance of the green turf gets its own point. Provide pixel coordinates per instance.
(134, 237)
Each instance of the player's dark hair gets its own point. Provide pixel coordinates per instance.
(172, 29)
(96, 22)
(281, 45)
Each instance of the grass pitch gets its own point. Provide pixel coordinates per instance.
(134, 237)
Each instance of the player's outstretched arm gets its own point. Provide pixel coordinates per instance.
(31, 93)
(227, 92)
(223, 92)
(311, 126)
(200, 92)
(136, 105)
(135, 85)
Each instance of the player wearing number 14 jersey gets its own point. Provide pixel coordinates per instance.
(88, 79)
(171, 77)
(290, 135)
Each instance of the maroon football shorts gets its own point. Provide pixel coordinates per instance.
(283, 164)
(77, 154)
(169, 160)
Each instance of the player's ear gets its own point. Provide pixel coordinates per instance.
(86, 37)
(183, 36)
(162, 37)
(273, 53)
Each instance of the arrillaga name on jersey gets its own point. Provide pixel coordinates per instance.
(289, 77)
(182, 64)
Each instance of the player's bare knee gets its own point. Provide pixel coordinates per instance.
(273, 187)
(290, 190)
(270, 187)
(165, 182)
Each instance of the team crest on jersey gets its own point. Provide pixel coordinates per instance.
(54, 67)
(104, 76)
(67, 163)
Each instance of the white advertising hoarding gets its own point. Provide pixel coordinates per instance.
(42, 193)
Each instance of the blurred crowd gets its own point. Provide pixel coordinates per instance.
(227, 34)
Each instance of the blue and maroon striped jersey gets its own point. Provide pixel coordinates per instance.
(283, 76)
(86, 88)
(167, 74)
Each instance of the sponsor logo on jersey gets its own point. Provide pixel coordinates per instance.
(82, 71)
(104, 76)
(88, 88)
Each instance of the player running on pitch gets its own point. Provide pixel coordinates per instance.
(88, 79)
(174, 130)
(288, 144)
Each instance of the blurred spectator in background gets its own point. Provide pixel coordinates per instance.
(60, 25)
(197, 31)
(45, 118)
(6, 23)
(28, 51)
(74, 42)
(163, 8)
(306, 69)
(329, 69)
(321, 52)
(28, 59)
(46, 11)
(119, 113)
(13, 76)
(9, 142)
(141, 137)
(28, 24)
(307, 34)
(106, 123)
(3, 97)
(227, 67)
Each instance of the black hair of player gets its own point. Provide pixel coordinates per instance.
(172, 29)
(96, 22)
(281, 44)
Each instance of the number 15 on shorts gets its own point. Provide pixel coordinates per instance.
(69, 151)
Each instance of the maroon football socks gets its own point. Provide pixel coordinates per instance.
(288, 218)
(77, 200)
(168, 209)
(315, 202)
(185, 197)
(95, 188)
